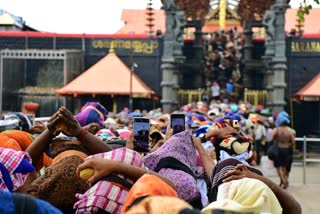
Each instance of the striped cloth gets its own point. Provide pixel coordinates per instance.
(217, 176)
(12, 169)
(106, 195)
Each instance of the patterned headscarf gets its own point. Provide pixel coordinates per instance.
(14, 168)
(108, 195)
(92, 112)
(180, 146)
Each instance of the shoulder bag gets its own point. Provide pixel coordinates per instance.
(273, 151)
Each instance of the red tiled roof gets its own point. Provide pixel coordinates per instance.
(135, 21)
(108, 76)
(310, 90)
(311, 24)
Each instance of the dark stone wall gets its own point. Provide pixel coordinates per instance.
(303, 60)
(146, 53)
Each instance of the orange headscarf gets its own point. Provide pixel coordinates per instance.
(147, 185)
(20, 141)
(160, 205)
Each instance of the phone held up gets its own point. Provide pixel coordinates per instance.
(141, 129)
(177, 123)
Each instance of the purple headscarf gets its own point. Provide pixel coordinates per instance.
(180, 146)
(92, 112)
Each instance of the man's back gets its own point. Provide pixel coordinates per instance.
(284, 136)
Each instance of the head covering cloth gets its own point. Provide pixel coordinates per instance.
(180, 149)
(14, 168)
(92, 112)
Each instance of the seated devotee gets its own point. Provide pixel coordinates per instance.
(162, 204)
(68, 144)
(146, 186)
(111, 176)
(23, 203)
(232, 168)
(14, 169)
(20, 141)
(176, 160)
(92, 112)
(15, 166)
(15, 121)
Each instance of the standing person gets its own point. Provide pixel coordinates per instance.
(269, 127)
(285, 138)
(259, 142)
(215, 91)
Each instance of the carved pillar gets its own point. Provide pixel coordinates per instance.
(279, 60)
(169, 92)
(247, 47)
(269, 24)
(172, 56)
(198, 56)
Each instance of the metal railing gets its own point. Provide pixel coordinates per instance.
(305, 140)
(255, 97)
(188, 96)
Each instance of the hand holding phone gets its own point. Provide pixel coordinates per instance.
(177, 123)
(141, 129)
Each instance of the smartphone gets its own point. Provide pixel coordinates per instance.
(177, 123)
(141, 129)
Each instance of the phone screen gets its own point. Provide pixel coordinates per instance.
(141, 128)
(177, 123)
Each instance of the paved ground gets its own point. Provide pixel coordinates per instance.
(308, 195)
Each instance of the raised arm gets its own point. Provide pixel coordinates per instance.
(207, 161)
(39, 145)
(288, 203)
(73, 129)
(104, 167)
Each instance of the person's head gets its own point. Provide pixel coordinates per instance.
(14, 169)
(283, 119)
(60, 183)
(92, 112)
(22, 122)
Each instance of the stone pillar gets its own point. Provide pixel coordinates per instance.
(198, 56)
(172, 56)
(279, 60)
(247, 47)
(269, 24)
(169, 88)
(268, 80)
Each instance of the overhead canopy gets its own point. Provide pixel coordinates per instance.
(310, 92)
(109, 76)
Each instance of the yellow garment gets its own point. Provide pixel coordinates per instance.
(246, 195)
(159, 205)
